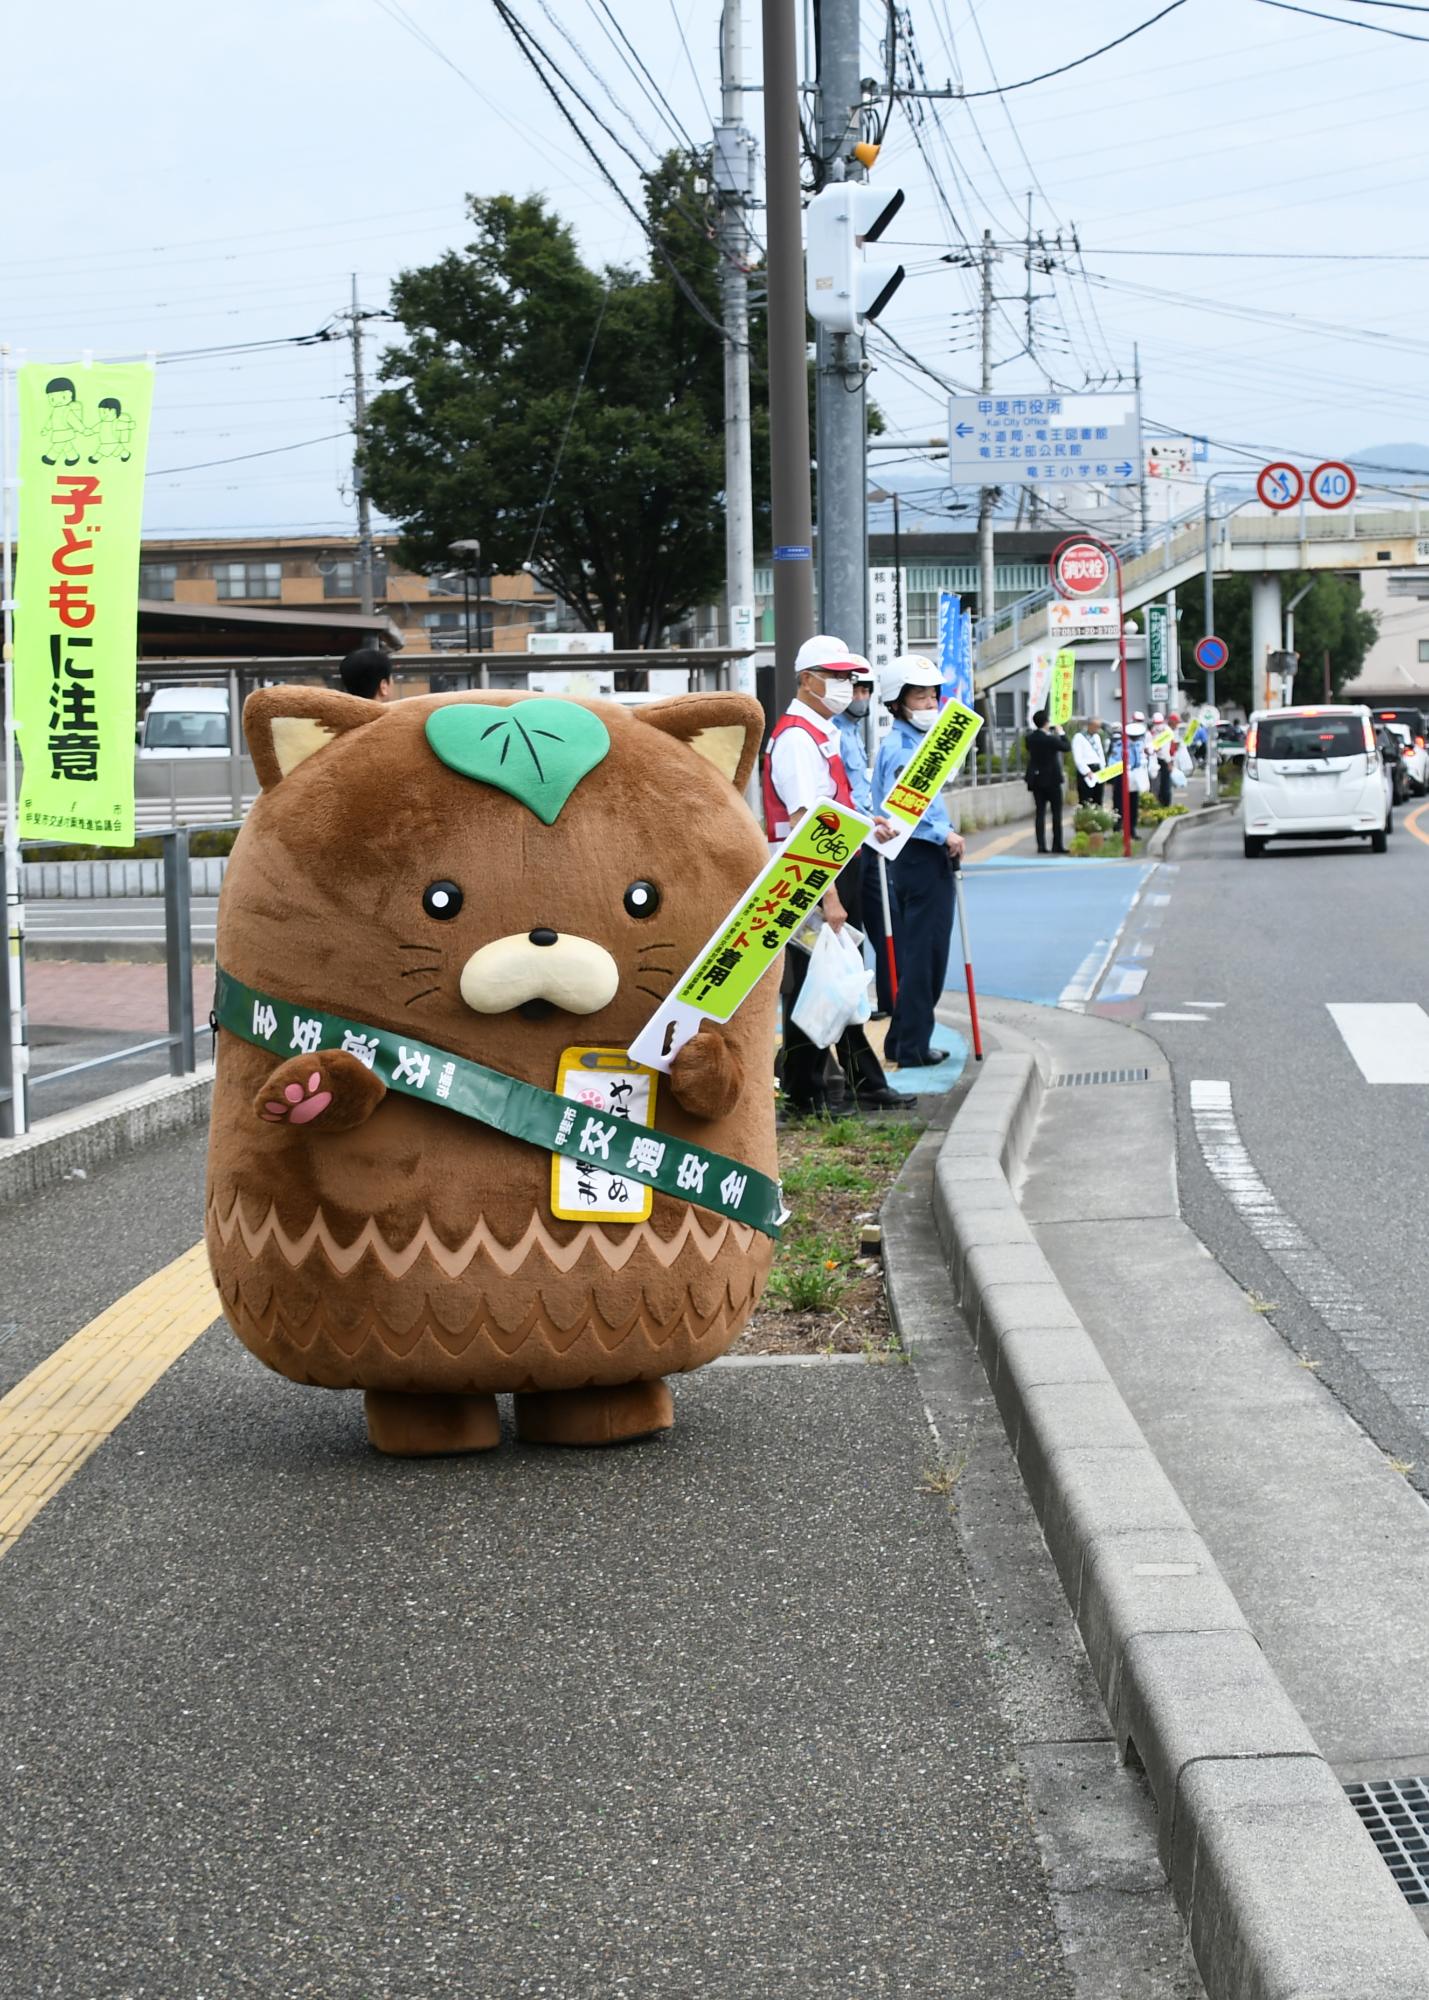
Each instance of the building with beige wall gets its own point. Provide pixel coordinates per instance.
(317, 574)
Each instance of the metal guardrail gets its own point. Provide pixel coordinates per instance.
(181, 1040)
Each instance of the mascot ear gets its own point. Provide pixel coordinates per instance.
(726, 729)
(285, 725)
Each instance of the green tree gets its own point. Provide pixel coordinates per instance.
(482, 410)
(1330, 615)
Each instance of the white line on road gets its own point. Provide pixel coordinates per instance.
(1371, 1341)
(1177, 1017)
(1390, 1042)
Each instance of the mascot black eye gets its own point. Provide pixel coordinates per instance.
(442, 900)
(642, 899)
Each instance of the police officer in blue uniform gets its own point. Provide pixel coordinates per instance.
(921, 886)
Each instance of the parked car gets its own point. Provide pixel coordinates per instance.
(185, 722)
(1315, 774)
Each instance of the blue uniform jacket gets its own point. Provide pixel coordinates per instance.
(854, 757)
(894, 753)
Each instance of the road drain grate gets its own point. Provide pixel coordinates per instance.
(1395, 1812)
(1081, 1076)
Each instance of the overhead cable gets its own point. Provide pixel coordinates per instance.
(1105, 49)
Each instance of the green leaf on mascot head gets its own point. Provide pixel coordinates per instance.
(538, 751)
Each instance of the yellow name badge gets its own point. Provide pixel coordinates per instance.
(596, 1190)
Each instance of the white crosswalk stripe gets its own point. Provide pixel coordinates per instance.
(1390, 1041)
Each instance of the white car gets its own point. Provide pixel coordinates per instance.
(1314, 774)
(186, 722)
(1413, 757)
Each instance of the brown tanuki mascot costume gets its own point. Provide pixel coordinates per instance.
(516, 881)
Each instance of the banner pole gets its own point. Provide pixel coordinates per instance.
(959, 892)
(14, 1028)
(888, 930)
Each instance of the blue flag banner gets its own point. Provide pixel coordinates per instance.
(955, 648)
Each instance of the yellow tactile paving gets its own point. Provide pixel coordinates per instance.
(64, 1410)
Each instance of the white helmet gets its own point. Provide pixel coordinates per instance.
(822, 651)
(862, 667)
(908, 670)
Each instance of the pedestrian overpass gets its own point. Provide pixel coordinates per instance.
(1260, 544)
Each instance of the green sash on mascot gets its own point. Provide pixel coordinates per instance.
(524, 1111)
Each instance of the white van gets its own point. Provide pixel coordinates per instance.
(186, 722)
(1314, 774)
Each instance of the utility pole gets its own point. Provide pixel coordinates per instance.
(986, 556)
(790, 501)
(841, 405)
(1141, 469)
(359, 483)
(733, 164)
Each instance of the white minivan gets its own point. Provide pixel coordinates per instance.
(1314, 774)
(185, 722)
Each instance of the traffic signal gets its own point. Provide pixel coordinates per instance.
(845, 287)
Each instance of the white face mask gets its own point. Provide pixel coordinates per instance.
(921, 718)
(836, 696)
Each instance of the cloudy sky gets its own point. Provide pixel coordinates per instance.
(196, 179)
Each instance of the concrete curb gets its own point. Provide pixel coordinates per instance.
(80, 1140)
(1282, 1893)
(1165, 833)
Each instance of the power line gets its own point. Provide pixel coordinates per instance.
(635, 64)
(1369, 27)
(535, 56)
(1091, 56)
(565, 434)
(202, 464)
(699, 87)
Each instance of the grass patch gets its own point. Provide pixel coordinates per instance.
(823, 1296)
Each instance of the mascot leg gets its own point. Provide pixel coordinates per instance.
(595, 1416)
(430, 1426)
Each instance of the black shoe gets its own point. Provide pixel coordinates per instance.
(797, 1109)
(883, 1100)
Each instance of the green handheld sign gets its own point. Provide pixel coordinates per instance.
(926, 772)
(752, 937)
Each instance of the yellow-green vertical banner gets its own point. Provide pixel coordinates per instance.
(1063, 673)
(83, 435)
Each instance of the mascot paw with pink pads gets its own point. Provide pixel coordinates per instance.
(329, 1086)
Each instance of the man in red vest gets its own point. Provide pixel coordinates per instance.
(802, 767)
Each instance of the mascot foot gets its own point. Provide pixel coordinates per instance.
(430, 1426)
(595, 1416)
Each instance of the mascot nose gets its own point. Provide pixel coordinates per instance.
(541, 966)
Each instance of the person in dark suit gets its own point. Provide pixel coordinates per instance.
(1045, 777)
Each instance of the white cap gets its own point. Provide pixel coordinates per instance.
(908, 670)
(824, 653)
(862, 667)
(1158, 716)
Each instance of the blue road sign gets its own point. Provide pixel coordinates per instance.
(1212, 654)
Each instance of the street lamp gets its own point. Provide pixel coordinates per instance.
(468, 555)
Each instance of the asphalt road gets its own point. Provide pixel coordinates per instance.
(1324, 1215)
(121, 919)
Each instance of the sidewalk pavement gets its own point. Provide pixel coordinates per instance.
(708, 1716)
(69, 993)
(1324, 1543)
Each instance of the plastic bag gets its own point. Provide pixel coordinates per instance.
(835, 991)
(1178, 778)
